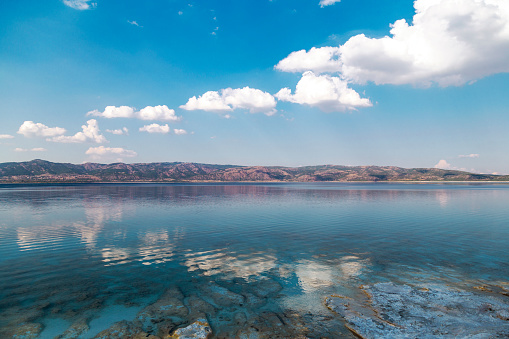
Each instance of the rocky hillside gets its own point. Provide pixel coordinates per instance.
(45, 171)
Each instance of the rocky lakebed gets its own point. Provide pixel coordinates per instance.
(380, 310)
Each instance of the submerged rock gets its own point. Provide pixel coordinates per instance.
(252, 301)
(268, 325)
(222, 296)
(75, 330)
(27, 331)
(401, 311)
(124, 329)
(266, 287)
(200, 329)
(198, 306)
(164, 315)
(169, 307)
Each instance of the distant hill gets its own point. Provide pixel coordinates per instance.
(45, 171)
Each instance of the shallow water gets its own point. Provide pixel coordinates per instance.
(102, 253)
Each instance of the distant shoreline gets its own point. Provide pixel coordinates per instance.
(246, 182)
(41, 171)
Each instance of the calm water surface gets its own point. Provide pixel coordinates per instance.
(101, 253)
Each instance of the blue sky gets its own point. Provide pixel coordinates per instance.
(351, 82)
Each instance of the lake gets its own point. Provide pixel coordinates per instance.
(76, 259)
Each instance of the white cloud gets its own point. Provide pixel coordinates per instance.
(6, 136)
(449, 42)
(324, 3)
(442, 164)
(469, 156)
(179, 131)
(80, 4)
(325, 92)
(123, 131)
(101, 151)
(210, 101)
(36, 149)
(91, 133)
(161, 112)
(157, 113)
(114, 112)
(134, 23)
(31, 129)
(318, 60)
(155, 128)
(228, 99)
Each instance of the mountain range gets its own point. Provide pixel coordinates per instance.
(39, 171)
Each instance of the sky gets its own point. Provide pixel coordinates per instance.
(257, 82)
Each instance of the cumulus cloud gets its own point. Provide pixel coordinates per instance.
(318, 60)
(325, 92)
(6, 136)
(120, 131)
(210, 101)
(31, 129)
(155, 128)
(442, 164)
(161, 112)
(324, 3)
(114, 112)
(80, 4)
(90, 133)
(178, 131)
(157, 113)
(449, 42)
(228, 99)
(469, 156)
(101, 151)
(36, 149)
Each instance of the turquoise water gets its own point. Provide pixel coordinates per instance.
(254, 255)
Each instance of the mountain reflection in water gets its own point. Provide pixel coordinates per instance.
(86, 256)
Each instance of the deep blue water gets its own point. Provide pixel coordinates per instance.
(102, 253)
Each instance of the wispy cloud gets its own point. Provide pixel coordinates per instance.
(324, 3)
(106, 153)
(469, 156)
(178, 131)
(122, 131)
(155, 128)
(6, 136)
(80, 4)
(36, 149)
(134, 23)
